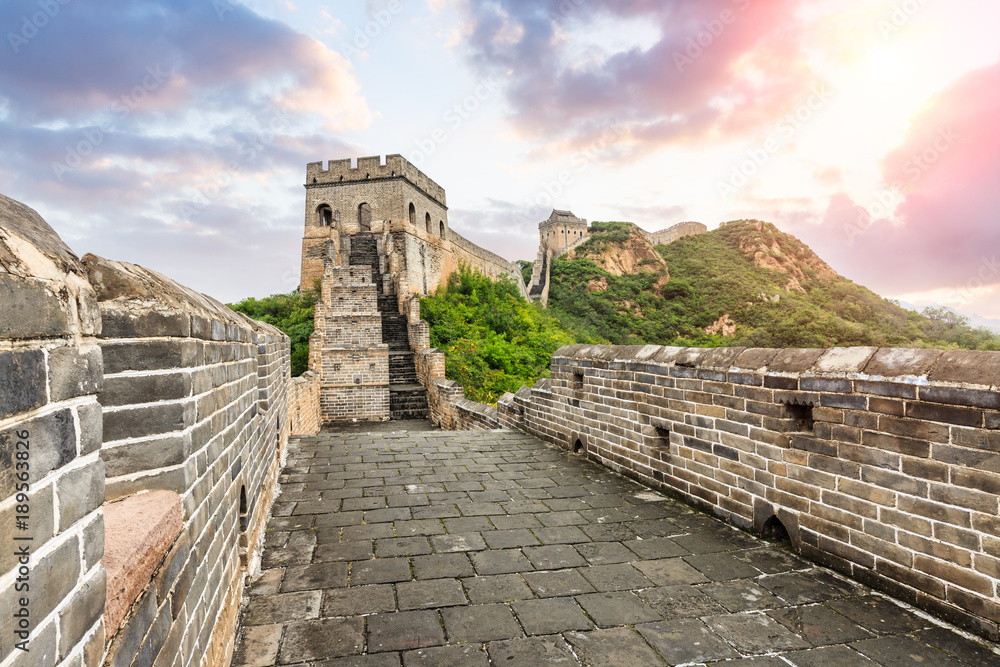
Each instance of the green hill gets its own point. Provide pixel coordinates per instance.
(745, 283)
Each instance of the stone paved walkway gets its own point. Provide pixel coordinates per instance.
(472, 549)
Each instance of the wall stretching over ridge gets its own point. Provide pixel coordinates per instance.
(156, 418)
(881, 463)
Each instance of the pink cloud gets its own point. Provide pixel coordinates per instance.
(945, 230)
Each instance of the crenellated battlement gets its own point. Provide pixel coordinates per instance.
(373, 168)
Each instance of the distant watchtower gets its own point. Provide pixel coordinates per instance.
(346, 199)
(561, 230)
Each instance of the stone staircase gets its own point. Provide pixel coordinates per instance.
(407, 397)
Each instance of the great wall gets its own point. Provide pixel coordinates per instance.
(144, 426)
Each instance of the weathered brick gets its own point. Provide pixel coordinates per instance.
(82, 612)
(145, 421)
(51, 445)
(148, 355)
(80, 492)
(893, 443)
(945, 413)
(781, 382)
(22, 376)
(831, 385)
(885, 406)
(75, 372)
(914, 428)
(136, 389)
(887, 389)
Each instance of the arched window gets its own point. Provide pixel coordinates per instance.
(413, 214)
(365, 217)
(442, 228)
(324, 216)
(427, 224)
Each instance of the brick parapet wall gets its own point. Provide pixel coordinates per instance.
(195, 401)
(50, 435)
(881, 463)
(303, 404)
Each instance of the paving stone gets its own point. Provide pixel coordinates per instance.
(467, 655)
(722, 567)
(806, 587)
(554, 557)
(612, 648)
(830, 656)
(705, 543)
(605, 553)
(268, 582)
(656, 547)
(418, 527)
(322, 638)
(376, 660)
(442, 566)
(551, 616)
(619, 577)
(510, 539)
(343, 551)
(755, 633)
(402, 546)
(269, 609)
(480, 623)
(878, 614)
(404, 630)
(557, 519)
(312, 577)
(899, 651)
(367, 532)
(468, 524)
(686, 641)
(741, 595)
(609, 609)
(429, 594)
(670, 572)
(819, 625)
(647, 530)
(359, 600)
(379, 571)
(965, 649)
(680, 602)
(771, 560)
(561, 535)
(497, 588)
(457, 542)
(515, 522)
(558, 584)
(500, 561)
(610, 532)
(258, 646)
(533, 652)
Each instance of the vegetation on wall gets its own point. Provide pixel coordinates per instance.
(493, 340)
(293, 314)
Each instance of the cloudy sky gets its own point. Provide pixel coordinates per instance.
(175, 133)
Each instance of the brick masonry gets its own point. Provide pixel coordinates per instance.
(50, 425)
(880, 463)
(128, 382)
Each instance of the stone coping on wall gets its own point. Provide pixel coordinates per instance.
(137, 302)
(964, 368)
(138, 533)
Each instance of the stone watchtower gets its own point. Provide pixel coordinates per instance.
(561, 230)
(345, 200)
(559, 233)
